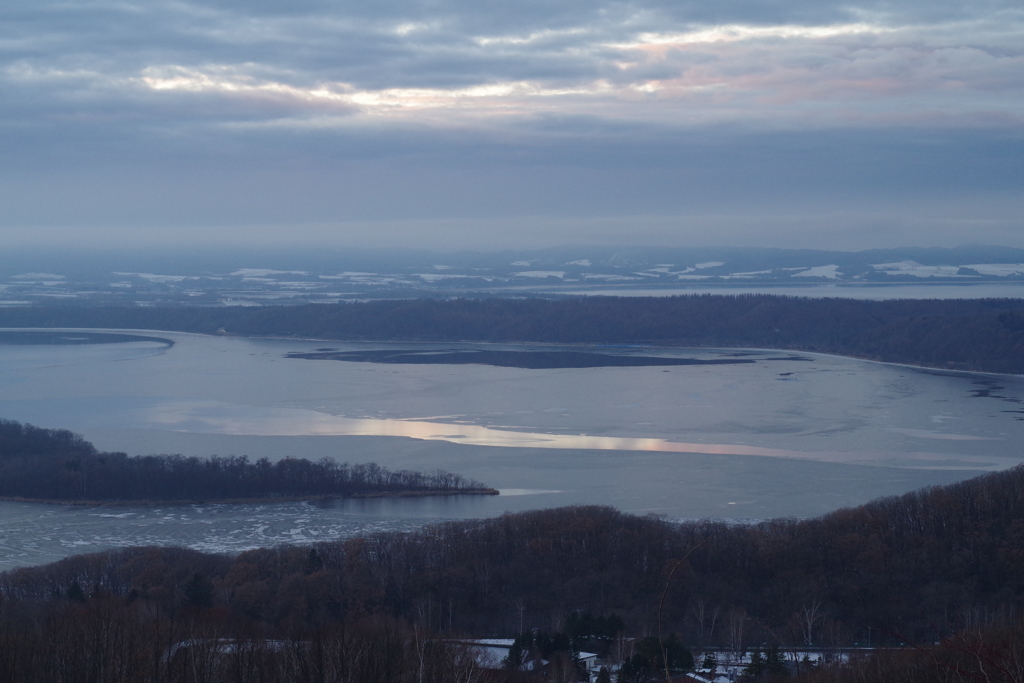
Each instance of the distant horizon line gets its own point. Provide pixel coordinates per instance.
(331, 246)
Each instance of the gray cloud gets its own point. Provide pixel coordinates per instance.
(164, 115)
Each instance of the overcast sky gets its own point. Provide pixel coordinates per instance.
(513, 123)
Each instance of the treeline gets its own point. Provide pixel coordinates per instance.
(994, 655)
(102, 638)
(983, 335)
(913, 568)
(58, 465)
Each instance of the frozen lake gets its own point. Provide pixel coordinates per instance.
(776, 434)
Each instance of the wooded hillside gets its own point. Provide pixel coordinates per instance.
(922, 565)
(938, 564)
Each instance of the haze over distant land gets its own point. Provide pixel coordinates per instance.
(454, 124)
(258, 276)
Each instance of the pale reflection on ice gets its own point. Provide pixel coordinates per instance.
(236, 420)
(525, 492)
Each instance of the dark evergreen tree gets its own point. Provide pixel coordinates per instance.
(198, 591)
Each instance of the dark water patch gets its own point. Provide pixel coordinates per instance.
(799, 358)
(529, 360)
(54, 338)
(987, 388)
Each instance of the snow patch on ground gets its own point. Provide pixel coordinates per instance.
(541, 273)
(668, 271)
(820, 271)
(434, 277)
(916, 269)
(264, 272)
(345, 275)
(157, 278)
(998, 269)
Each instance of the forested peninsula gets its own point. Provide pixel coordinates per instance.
(978, 335)
(936, 572)
(56, 465)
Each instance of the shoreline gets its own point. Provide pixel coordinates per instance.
(646, 344)
(487, 491)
